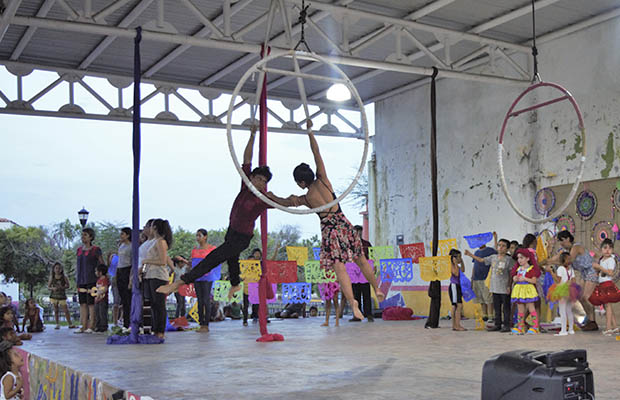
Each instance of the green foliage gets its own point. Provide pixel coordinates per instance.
(65, 233)
(106, 237)
(26, 256)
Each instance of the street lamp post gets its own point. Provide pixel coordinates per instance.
(83, 214)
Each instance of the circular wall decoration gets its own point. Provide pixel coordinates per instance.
(615, 199)
(602, 230)
(544, 201)
(586, 204)
(565, 223)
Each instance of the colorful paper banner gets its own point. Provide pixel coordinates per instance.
(412, 250)
(444, 247)
(435, 268)
(250, 270)
(298, 254)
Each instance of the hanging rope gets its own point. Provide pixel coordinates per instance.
(434, 162)
(303, 13)
(536, 77)
(136, 295)
(136, 298)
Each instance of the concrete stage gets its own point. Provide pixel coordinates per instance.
(380, 360)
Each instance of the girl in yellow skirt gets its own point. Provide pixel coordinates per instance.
(524, 293)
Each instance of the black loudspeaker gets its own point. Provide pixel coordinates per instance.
(537, 375)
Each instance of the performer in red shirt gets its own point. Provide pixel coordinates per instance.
(245, 210)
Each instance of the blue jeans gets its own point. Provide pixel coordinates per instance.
(203, 293)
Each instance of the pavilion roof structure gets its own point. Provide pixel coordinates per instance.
(195, 51)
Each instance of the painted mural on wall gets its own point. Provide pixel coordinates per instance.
(47, 380)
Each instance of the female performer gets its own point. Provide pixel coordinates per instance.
(339, 241)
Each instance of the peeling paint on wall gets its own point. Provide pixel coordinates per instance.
(577, 148)
(608, 157)
(445, 215)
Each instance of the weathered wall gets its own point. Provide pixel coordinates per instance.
(541, 150)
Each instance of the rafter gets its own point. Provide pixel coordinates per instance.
(368, 39)
(614, 13)
(203, 32)
(275, 39)
(507, 17)
(405, 23)
(105, 43)
(7, 15)
(27, 36)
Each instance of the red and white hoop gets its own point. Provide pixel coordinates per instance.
(565, 95)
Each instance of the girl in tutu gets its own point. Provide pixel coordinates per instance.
(606, 292)
(329, 292)
(524, 293)
(565, 291)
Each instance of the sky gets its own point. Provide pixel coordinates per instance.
(52, 167)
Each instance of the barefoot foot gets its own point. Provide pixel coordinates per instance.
(356, 310)
(171, 288)
(325, 324)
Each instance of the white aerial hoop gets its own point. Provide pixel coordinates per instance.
(262, 69)
(500, 147)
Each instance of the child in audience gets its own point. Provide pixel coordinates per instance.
(101, 300)
(5, 301)
(514, 245)
(524, 293)
(58, 284)
(32, 314)
(11, 384)
(456, 296)
(606, 292)
(10, 335)
(565, 291)
(6, 317)
(329, 292)
(501, 265)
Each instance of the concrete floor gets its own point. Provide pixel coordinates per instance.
(382, 360)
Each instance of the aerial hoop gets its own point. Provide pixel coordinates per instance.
(262, 69)
(565, 95)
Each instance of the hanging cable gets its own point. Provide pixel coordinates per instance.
(303, 13)
(536, 76)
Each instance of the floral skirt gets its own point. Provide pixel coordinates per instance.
(524, 293)
(339, 241)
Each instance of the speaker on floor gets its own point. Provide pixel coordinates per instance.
(537, 375)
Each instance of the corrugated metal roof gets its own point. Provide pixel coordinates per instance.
(57, 48)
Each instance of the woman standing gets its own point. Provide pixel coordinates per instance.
(203, 284)
(156, 273)
(123, 272)
(88, 257)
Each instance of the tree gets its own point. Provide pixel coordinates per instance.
(359, 195)
(26, 256)
(107, 237)
(65, 233)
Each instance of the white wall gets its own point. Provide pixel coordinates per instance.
(468, 122)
